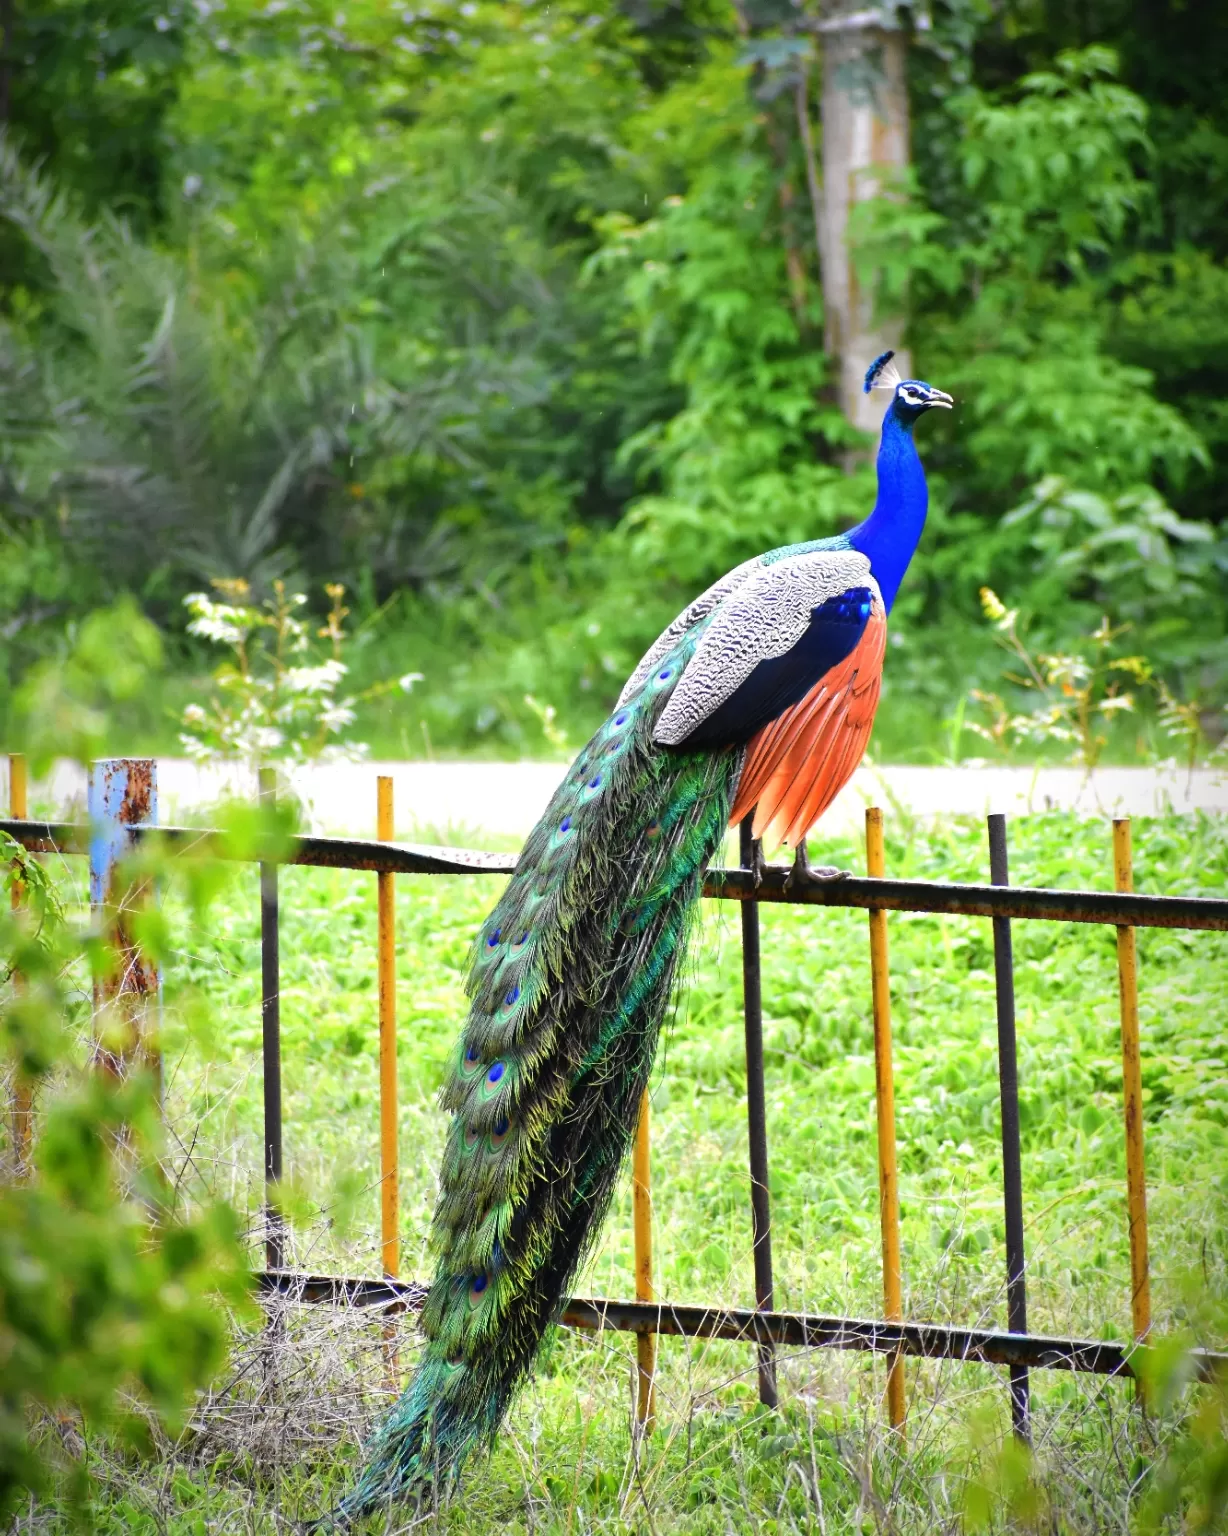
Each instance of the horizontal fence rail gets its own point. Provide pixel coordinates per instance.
(776, 884)
(798, 1330)
(754, 882)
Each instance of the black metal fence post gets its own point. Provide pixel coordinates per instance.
(270, 1026)
(756, 1120)
(1008, 1087)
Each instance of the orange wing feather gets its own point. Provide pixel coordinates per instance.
(798, 763)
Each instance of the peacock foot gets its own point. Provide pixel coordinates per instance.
(803, 872)
(758, 864)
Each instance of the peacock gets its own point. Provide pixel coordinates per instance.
(759, 697)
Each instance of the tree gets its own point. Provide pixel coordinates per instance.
(865, 156)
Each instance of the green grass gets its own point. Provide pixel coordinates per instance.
(568, 1461)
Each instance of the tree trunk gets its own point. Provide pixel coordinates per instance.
(865, 141)
(778, 143)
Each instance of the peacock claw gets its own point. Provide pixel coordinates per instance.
(803, 872)
(758, 864)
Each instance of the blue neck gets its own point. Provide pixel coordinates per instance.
(889, 536)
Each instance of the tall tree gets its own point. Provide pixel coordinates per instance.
(865, 151)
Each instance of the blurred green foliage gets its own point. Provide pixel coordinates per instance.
(117, 1290)
(113, 1292)
(483, 308)
(67, 701)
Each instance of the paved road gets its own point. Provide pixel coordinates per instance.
(468, 801)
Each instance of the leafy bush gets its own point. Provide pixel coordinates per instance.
(1072, 697)
(274, 699)
(113, 1297)
(68, 703)
(1073, 694)
(1133, 556)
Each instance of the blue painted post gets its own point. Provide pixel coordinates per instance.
(123, 794)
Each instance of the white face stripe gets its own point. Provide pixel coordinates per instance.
(913, 392)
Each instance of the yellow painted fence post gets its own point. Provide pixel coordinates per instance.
(641, 1199)
(884, 1095)
(1132, 1090)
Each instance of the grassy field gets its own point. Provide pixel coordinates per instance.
(274, 1442)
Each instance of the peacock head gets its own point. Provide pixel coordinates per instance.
(910, 397)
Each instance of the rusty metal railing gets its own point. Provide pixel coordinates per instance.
(764, 1328)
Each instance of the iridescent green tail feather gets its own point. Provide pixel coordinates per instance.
(570, 980)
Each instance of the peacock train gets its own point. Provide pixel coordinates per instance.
(760, 697)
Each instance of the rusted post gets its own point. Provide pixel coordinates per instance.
(1132, 1090)
(123, 794)
(641, 1200)
(884, 1103)
(270, 1034)
(389, 1165)
(1012, 1162)
(22, 1097)
(756, 1120)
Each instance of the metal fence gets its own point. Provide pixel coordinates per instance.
(123, 811)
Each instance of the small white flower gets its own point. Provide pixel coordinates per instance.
(336, 717)
(314, 680)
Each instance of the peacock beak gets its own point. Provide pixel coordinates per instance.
(939, 397)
